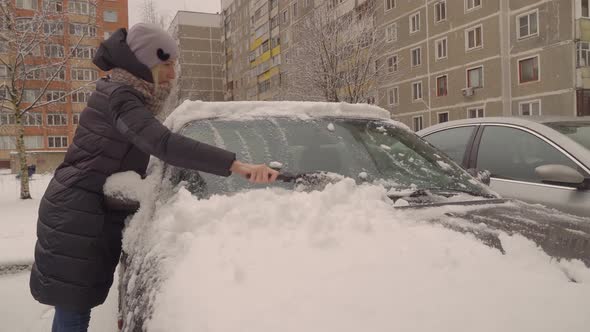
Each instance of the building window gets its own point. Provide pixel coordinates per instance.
(473, 38)
(418, 123)
(26, 4)
(35, 51)
(441, 48)
(476, 112)
(440, 11)
(415, 23)
(7, 143)
(417, 91)
(391, 32)
(54, 51)
(78, 29)
(416, 57)
(441, 86)
(294, 12)
(583, 51)
(7, 118)
(57, 96)
(528, 70)
(76, 118)
(33, 119)
(57, 141)
(392, 64)
(60, 74)
(286, 17)
(57, 119)
(530, 108)
(81, 96)
(110, 16)
(475, 77)
(393, 96)
(264, 86)
(472, 4)
(34, 142)
(23, 24)
(528, 24)
(82, 7)
(389, 4)
(84, 74)
(265, 46)
(443, 117)
(585, 9)
(53, 28)
(30, 95)
(33, 73)
(274, 3)
(3, 71)
(53, 6)
(274, 22)
(83, 52)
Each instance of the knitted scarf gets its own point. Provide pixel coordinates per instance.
(155, 98)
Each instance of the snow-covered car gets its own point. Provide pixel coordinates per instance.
(370, 228)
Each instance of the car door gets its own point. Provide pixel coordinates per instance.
(512, 153)
(454, 142)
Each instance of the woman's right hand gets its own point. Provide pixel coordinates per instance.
(254, 173)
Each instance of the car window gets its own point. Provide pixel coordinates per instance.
(578, 131)
(452, 141)
(511, 153)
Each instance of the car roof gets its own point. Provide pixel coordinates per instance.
(535, 124)
(248, 110)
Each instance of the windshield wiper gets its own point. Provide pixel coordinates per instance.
(422, 192)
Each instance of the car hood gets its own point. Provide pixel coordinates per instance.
(560, 235)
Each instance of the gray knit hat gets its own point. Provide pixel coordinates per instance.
(151, 44)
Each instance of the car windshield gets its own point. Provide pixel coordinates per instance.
(366, 150)
(577, 131)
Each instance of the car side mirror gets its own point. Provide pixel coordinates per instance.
(484, 176)
(559, 174)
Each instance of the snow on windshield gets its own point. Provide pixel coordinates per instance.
(198, 110)
(344, 260)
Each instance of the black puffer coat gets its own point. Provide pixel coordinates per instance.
(79, 238)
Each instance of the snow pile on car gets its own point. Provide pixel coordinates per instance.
(198, 110)
(344, 260)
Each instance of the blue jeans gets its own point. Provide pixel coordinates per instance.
(70, 321)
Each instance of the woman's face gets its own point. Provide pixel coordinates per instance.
(167, 73)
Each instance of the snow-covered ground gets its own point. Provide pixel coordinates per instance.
(344, 260)
(18, 219)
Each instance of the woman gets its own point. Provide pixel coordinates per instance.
(79, 237)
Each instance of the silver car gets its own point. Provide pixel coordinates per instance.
(539, 160)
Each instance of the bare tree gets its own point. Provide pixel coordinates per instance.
(151, 14)
(36, 53)
(333, 56)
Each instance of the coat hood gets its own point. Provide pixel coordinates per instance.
(115, 53)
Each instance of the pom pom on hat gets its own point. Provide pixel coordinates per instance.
(151, 44)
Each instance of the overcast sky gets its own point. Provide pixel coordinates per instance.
(170, 7)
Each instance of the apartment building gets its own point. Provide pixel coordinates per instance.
(455, 59)
(254, 31)
(200, 62)
(49, 130)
